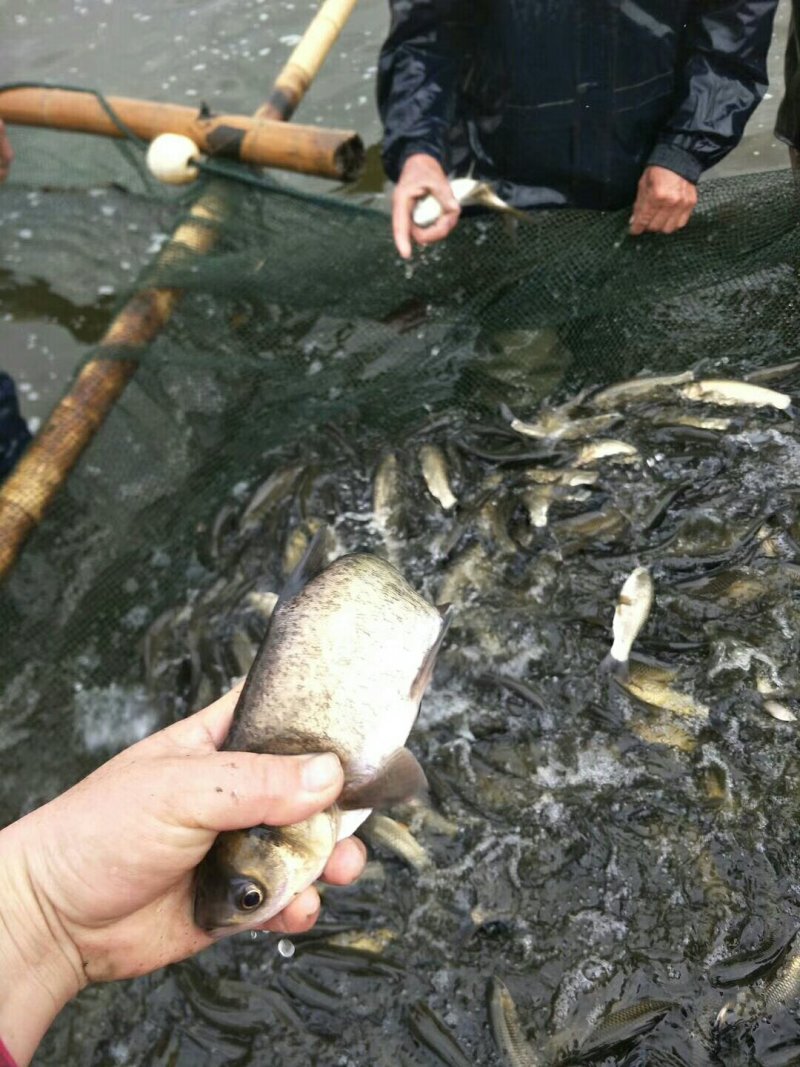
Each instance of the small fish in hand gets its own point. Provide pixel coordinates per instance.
(466, 191)
(347, 657)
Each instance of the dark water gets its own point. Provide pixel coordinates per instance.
(589, 848)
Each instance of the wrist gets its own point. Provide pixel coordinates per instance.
(40, 968)
(675, 158)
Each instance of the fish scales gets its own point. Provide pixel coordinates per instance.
(507, 1029)
(347, 656)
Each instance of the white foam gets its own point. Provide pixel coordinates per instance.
(597, 766)
(113, 717)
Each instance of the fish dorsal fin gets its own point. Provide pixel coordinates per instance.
(398, 779)
(420, 683)
(314, 561)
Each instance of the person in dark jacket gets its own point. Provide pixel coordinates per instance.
(584, 103)
(787, 125)
(14, 433)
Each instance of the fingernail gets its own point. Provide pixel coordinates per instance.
(314, 911)
(320, 772)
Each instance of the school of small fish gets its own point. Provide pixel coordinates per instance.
(622, 569)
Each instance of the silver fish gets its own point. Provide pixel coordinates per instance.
(638, 388)
(347, 657)
(779, 711)
(650, 685)
(785, 986)
(270, 495)
(697, 422)
(538, 499)
(630, 615)
(556, 426)
(297, 542)
(619, 451)
(567, 476)
(507, 1030)
(623, 1025)
(434, 470)
(770, 374)
(383, 832)
(725, 392)
(386, 495)
(428, 210)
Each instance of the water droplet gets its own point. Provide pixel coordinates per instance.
(286, 948)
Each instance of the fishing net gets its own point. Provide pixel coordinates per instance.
(302, 352)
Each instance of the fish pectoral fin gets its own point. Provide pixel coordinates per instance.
(420, 683)
(398, 779)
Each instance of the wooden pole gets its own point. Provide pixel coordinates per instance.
(305, 62)
(262, 142)
(45, 465)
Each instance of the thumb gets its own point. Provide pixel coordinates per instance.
(444, 194)
(236, 790)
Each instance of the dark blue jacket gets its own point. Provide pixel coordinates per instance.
(14, 433)
(787, 124)
(567, 101)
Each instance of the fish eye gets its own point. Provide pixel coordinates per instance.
(250, 897)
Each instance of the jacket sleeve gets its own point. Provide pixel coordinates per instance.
(417, 80)
(723, 79)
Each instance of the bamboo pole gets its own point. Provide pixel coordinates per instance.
(262, 142)
(45, 465)
(305, 62)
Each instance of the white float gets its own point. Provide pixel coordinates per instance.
(170, 158)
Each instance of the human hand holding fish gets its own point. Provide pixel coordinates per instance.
(422, 176)
(98, 884)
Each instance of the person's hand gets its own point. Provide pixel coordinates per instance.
(97, 884)
(6, 152)
(664, 202)
(421, 175)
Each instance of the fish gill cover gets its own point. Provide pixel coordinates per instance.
(595, 844)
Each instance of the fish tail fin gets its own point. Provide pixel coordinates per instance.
(517, 213)
(615, 668)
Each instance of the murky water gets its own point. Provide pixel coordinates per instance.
(594, 846)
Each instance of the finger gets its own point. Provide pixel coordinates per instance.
(402, 206)
(206, 729)
(237, 790)
(444, 194)
(660, 220)
(298, 916)
(640, 217)
(639, 225)
(684, 217)
(346, 862)
(675, 217)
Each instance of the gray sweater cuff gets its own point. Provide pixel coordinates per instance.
(676, 159)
